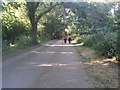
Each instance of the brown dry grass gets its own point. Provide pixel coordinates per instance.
(103, 71)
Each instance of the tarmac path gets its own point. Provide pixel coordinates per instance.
(54, 65)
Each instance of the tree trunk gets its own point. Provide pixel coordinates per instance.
(34, 32)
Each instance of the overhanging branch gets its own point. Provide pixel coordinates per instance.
(44, 12)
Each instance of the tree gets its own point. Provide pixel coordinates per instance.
(14, 22)
(32, 8)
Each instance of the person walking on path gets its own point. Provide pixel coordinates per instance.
(69, 38)
(65, 37)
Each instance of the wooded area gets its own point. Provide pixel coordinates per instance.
(25, 24)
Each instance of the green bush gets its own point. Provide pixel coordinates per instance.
(23, 42)
(104, 43)
(15, 30)
(93, 39)
(78, 40)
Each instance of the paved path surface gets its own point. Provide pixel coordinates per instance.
(51, 66)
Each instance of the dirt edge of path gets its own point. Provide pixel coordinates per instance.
(19, 52)
(103, 71)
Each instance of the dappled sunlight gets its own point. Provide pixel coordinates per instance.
(61, 45)
(103, 71)
(79, 44)
(104, 62)
(94, 62)
(66, 52)
(45, 65)
(65, 45)
(49, 52)
(37, 64)
(51, 64)
(12, 45)
(70, 65)
(43, 52)
(32, 63)
(35, 52)
(61, 65)
(113, 60)
(73, 68)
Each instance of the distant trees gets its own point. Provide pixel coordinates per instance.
(94, 24)
(54, 27)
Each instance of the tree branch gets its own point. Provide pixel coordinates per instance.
(44, 12)
(36, 5)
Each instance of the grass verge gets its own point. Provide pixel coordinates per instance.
(10, 52)
(103, 71)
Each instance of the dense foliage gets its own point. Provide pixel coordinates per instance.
(95, 24)
(54, 28)
(14, 22)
